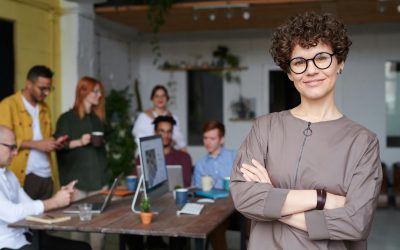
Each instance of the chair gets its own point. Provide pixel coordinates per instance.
(383, 200)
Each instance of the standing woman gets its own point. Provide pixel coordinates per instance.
(308, 177)
(144, 122)
(80, 159)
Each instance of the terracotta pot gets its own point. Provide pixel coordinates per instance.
(146, 217)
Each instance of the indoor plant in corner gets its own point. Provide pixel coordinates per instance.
(145, 211)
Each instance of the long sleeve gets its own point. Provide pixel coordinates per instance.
(177, 135)
(143, 126)
(258, 201)
(20, 207)
(353, 221)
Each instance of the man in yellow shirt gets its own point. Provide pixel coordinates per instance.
(26, 113)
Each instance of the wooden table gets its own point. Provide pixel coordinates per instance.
(119, 219)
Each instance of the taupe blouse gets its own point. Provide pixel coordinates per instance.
(339, 156)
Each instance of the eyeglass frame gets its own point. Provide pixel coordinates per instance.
(311, 59)
(12, 147)
(45, 89)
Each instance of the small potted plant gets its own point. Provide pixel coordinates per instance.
(145, 214)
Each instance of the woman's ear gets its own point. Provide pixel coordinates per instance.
(341, 67)
(290, 76)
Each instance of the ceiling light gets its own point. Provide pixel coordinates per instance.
(246, 15)
(212, 17)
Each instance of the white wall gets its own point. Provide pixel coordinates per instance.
(360, 95)
(360, 89)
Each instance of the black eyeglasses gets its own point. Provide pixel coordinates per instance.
(46, 89)
(12, 147)
(323, 60)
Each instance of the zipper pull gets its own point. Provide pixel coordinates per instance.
(307, 132)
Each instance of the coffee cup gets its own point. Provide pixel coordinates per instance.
(85, 211)
(227, 181)
(207, 183)
(181, 196)
(97, 138)
(131, 182)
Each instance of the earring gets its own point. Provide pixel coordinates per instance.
(339, 72)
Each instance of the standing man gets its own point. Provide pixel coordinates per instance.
(219, 160)
(15, 204)
(163, 125)
(26, 113)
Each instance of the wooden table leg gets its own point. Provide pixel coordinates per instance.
(200, 244)
(36, 239)
(121, 242)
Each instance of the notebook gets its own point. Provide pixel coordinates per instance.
(213, 194)
(46, 218)
(96, 207)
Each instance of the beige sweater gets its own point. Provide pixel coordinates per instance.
(339, 156)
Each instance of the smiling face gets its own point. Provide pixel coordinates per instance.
(39, 89)
(315, 84)
(93, 98)
(160, 99)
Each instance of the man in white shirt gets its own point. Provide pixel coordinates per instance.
(15, 204)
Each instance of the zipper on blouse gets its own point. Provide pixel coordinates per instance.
(306, 132)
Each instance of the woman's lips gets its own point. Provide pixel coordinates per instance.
(314, 82)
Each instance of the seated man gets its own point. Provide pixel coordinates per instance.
(163, 125)
(217, 164)
(15, 204)
(219, 160)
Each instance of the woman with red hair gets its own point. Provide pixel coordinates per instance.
(81, 160)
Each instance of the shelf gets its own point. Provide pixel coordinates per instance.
(203, 68)
(242, 119)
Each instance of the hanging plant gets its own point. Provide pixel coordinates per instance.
(226, 59)
(156, 17)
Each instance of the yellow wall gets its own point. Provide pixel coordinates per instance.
(36, 40)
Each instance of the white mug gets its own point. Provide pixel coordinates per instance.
(207, 183)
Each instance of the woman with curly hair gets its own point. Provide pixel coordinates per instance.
(308, 177)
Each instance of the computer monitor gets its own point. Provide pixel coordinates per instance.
(153, 164)
(153, 181)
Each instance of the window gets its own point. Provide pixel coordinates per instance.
(392, 99)
(205, 102)
(6, 58)
(282, 93)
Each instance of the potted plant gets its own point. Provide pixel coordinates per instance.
(145, 211)
(120, 145)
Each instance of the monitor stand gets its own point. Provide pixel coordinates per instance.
(141, 187)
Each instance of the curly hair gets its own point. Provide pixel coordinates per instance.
(307, 30)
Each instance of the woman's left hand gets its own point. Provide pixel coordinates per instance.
(255, 172)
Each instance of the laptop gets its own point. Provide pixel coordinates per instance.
(175, 176)
(97, 208)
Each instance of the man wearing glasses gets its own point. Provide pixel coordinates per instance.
(26, 113)
(15, 205)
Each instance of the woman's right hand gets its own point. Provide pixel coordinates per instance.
(334, 201)
(85, 139)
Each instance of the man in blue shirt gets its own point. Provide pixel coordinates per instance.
(217, 164)
(219, 160)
